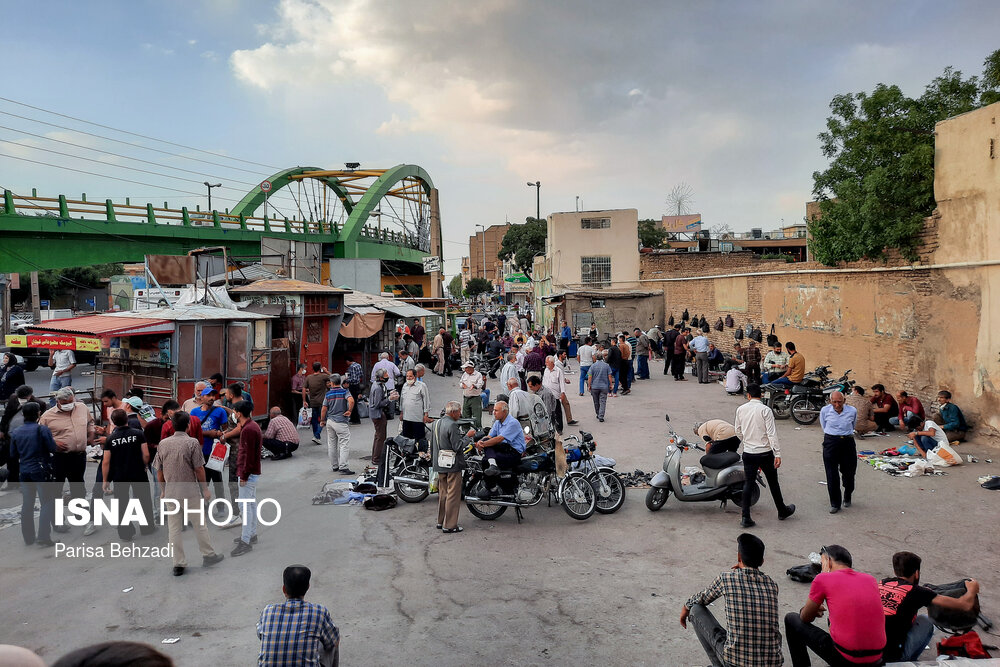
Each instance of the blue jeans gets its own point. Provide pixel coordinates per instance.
(316, 426)
(249, 490)
(58, 382)
(643, 367)
(614, 376)
(32, 484)
(926, 443)
(785, 381)
(916, 639)
(584, 370)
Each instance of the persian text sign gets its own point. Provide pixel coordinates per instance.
(54, 342)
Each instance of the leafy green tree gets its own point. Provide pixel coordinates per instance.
(880, 183)
(53, 283)
(522, 242)
(477, 286)
(651, 235)
(455, 287)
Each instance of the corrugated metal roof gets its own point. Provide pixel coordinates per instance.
(286, 286)
(192, 312)
(253, 272)
(363, 310)
(102, 325)
(387, 304)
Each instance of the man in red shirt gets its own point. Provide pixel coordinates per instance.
(248, 472)
(908, 406)
(885, 408)
(857, 622)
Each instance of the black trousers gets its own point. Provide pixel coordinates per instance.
(279, 447)
(507, 458)
(765, 463)
(355, 392)
(140, 490)
(840, 458)
(215, 478)
(70, 466)
(882, 421)
(677, 366)
(803, 636)
(623, 368)
(668, 357)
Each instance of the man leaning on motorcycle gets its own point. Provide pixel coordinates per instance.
(504, 446)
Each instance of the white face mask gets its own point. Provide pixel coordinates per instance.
(22, 401)
(410, 381)
(66, 407)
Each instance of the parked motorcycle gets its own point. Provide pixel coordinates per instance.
(408, 467)
(534, 480)
(486, 366)
(807, 401)
(779, 397)
(609, 489)
(724, 477)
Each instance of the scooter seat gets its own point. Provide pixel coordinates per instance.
(719, 461)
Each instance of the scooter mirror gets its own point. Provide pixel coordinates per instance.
(667, 417)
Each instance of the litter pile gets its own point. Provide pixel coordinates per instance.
(344, 492)
(637, 479)
(899, 466)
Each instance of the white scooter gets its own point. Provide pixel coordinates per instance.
(723, 481)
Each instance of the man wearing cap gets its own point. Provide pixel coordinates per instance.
(72, 428)
(472, 384)
(213, 419)
(840, 454)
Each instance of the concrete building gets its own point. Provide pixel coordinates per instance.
(488, 242)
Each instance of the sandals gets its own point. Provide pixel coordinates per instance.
(457, 529)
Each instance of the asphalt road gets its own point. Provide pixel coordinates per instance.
(550, 591)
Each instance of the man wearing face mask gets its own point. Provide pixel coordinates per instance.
(12, 418)
(72, 428)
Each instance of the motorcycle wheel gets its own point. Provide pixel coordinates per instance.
(411, 494)
(737, 495)
(807, 417)
(577, 496)
(483, 510)
(656, 497)
(614, 498)
(780, 409)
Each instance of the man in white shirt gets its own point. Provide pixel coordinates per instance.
(472, 384)
(585, 355)
(761, 451)
(62, 362)
(555, 380)
(509, 370)
(518, 400)
(530, 344)
(735, 381)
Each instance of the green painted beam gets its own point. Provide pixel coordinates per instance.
(373, 196)
(255, 198)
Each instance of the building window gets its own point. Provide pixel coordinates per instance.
(595, 223)
(597, 303)
(595, 271)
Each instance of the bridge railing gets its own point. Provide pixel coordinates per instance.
(109, 212)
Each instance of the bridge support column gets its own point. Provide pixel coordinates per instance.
(435, 213)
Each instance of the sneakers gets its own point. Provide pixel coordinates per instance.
(241, 548)
(237, 520)
(47, 543)
(600, 419)
(747, 523)
(789, 511)
(847, 501)
(253, 540)
(346, 471)
(317, 441)
(90, 529)
(492, 471)
(572, 422)
(834, 509)
(209, 561)
(178, 570)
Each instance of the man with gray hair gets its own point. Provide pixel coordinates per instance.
(195, 400)
(281, 437)
(599, 379)
(72, 427)
(449, 461)
(337, 407)
(385, 362)
(503, 448)
(509, 370)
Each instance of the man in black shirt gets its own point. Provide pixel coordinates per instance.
(125, 459)
(906, 633)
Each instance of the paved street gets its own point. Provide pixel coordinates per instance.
(550, 591)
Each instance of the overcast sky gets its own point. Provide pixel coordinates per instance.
(614, 102)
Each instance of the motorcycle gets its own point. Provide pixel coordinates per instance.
(779, 397)
(806, 402)
(409, 468)
(609, 489)
(532, 481)
(486, 366)
(723, 477)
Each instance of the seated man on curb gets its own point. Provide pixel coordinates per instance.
(857, 624)
(952, 420)
(281, 437)
(753, 636)
(885, 408)
(296, 632)
(866, 411)
(908, 407)
(902, 597)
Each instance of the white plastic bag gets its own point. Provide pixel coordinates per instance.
(220, 453)
(944, 456)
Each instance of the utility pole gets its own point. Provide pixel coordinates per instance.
(484, 249)
(538, 198)
(36, 308)
(5, 309)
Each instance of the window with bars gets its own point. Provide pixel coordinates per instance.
(595, 271)
(595, 223)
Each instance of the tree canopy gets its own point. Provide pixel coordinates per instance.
(880, 183)
(522, 242)
(477, 286)
(651, 234)
(455, 287)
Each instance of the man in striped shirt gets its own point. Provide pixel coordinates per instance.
(337, 407)
(281, 437)
(296, 632)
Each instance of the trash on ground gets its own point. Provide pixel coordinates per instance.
(128, 590)
(170, 640)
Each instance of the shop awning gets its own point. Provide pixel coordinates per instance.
(105, 326)
(365, 321)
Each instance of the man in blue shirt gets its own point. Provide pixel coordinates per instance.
(952, 420)
(565, 336)
(503, 448)
(296, 632)
(840, 455)
(700, 346)
(34, 446)
(213, 420)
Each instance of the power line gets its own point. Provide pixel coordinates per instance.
(135, 134)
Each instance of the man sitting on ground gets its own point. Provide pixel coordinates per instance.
(753, 636)
(884, 407)
(715, 358)
(857, 624)
(927, 440)
(736, 382)
(906, 633)
(909, 406)
(866, 411)
(952, 420)
(296, 632)
(281, 437)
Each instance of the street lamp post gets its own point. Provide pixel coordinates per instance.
(538, 198)
(210, 186)
(484, 249)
